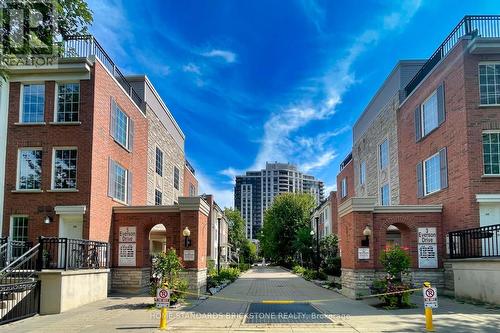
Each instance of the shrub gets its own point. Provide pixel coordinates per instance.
(165, 272)
(228, 273)
(297, 269)
(396, 261)
(309, 274)
(332, 266)
(244, 267)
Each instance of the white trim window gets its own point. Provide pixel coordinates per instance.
(343, 188)
(385, 195)
(19, 228)
(384, 154)
(119, 183)
(430, 119)
(489, 84)
(67, 103)
(192, 190)
(158, 198)
(362, 173)
(64, 168)
(491, 153)
(432, 176)
(32, 103)
(122, 127)
(29, 166)
(159, 161)
(176, 178)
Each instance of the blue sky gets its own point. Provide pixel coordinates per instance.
(271, 80)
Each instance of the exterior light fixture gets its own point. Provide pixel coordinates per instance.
(47, 219)
(367, 232)
(312, 233)
(186, 233)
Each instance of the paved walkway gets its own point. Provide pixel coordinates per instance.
(226, 312)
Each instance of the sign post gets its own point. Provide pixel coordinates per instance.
(430, 302)
(163, 301)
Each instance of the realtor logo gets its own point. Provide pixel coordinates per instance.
(27, 32)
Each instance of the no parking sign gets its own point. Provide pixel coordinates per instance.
(162, 298)
(430, 297)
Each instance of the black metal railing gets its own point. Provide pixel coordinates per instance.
(86, 46)
(11, 250)
(479, 25)
(70, 254)
(475, 243)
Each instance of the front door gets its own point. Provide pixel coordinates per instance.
(489, 214)
(71, 226)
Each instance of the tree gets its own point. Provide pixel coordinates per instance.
(302, 246)
(236, 228)
(60, 18)
(248, 252)
(165, 272)
(328, 249)
(288, 214)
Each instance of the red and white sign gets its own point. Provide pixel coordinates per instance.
(162, 298)
(430, 297)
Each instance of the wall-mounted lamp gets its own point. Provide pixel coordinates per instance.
(47, 219)
(367, 233)
(186, 233)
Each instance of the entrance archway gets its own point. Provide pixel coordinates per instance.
(157, 239)
(392, 236)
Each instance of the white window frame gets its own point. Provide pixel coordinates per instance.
(56, 104)
(388, 194)
(485, 63)
(343, 187)
(178, 178)
(156, 161)
(115, 136)
(161, 197)
(422, 118)
(21, 103)
(362, 172)
(381, 167)
(11, 225)
(125, 186)
(18, 172)
(482, 143)
(424, 174)
(53, 172)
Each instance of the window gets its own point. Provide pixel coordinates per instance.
(122, 127)
(192, 190)
(385, 195)
(159, 161)
(68, 102)
(29, 169)
(362, 172)
(430, 114)
(489, 84)
(158, 198)
(33, 105)
(432, 174)
(120, 182)
(343, 188)
(176, 178)
(19, 228)
(491, 153)
(384, 154)
(64, 173)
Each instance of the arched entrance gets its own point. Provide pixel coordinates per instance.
(392, 236)
(157, 239)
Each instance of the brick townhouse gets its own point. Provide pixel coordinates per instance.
(326, 213)
(81, 139)
(425, 158)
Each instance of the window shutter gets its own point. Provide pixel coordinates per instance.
(129, 187)
(112, 125)
(130, 134)
(440, 104)
(420, 180)
(418, 125)
(443, 163)
(111, 178)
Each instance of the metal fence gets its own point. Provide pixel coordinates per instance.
(86, 46)
(480, 25)
(475, 243)
(69, 254)
(10, 250)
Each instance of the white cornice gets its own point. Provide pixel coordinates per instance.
(357, 204)
(70, 209)
(145, 209)
(368, 204)
(194, 203)
(485, 198)
(409, 209)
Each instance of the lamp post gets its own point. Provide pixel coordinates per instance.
(219, 217)
(367, 232)
(186, 233)
(317, 244)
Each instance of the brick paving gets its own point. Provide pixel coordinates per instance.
(226, 313)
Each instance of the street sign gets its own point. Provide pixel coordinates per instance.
(427, 235)
(430, 297)
(162, 298)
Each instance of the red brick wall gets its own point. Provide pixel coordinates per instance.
(48, 136)
(334, 213)
(461, 133)
(347, 172)
(189, 179)
(105, 147)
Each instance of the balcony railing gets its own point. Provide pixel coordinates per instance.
(475, 243)
(86, 46)
(69, 254)
(482, 25)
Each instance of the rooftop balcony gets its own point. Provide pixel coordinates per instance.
(473, 25)
(87, 46)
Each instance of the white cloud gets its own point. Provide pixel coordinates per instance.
(320, 161)
(223, 197)
(231, 172)
(227, 56)
(191, 68)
